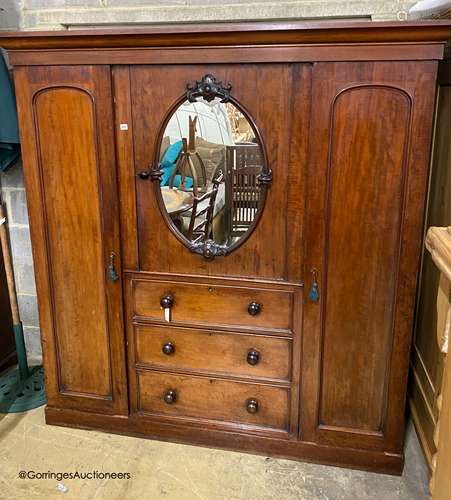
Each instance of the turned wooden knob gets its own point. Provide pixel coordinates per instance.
(252, 405)
(170, 396)
(254, 308)
(253, 357)
(144, 175)
(167, 301)
(168, 348)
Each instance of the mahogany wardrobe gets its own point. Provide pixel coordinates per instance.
(226, 223)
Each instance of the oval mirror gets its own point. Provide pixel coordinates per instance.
(212, 170)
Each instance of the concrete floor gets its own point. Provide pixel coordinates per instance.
(177, 472)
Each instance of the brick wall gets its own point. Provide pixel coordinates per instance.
(13, 195)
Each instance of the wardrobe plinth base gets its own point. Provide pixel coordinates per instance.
(146, 427)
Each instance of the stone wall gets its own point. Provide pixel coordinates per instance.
(57, 14)
(13, 195)
(68, 14)
(10, 14)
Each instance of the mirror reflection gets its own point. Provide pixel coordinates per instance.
(211, 160)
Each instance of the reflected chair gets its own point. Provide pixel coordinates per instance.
(244, 165)
(202, 214)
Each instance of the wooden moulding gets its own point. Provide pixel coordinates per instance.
(223, 54)
(231, 42)
(231, 34)
(152, 428)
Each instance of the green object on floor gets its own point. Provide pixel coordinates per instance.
(22, 388)
(17, 394)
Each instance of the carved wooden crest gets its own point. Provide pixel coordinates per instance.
(208, 88)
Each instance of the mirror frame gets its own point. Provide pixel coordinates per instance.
(209, 88)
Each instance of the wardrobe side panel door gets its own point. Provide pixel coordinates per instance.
(68, 149)
(267, 92)
(370, 142)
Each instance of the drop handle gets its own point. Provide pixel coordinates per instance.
(254, 308)
(168, 348)
(252, 405)
(166, 303)
(313, 294)
(253, 357)
(170, 396)
(112, 274)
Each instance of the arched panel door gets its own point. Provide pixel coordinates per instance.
(367, 183)
(67, 140)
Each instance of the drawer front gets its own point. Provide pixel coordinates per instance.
(214, 304)
(212, 399)
(247, 355)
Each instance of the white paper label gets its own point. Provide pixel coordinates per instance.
(123, 126)
(167, 314)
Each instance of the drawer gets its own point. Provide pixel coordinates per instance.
(219, 305)
(237, 354)
(212, 399)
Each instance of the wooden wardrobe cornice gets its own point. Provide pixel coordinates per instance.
(183, 35)
(231, 43)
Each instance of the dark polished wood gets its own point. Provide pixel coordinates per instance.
(367, 270)
(213, 399)
(393, 51)
(66, 120)
(297, 343)
(247, 441)
(264, 90)
(212, 304)
(231, 34)
(125, 165)
(233, 354)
